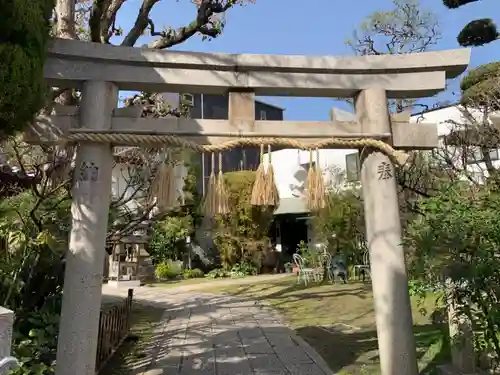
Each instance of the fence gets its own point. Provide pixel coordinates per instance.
(114, 325)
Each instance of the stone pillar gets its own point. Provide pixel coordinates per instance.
(383, 232)
(6, 323)
(78, 332)
(461, 335)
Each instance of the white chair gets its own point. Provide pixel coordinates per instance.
(304, 272)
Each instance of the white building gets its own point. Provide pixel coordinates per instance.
(342, 167)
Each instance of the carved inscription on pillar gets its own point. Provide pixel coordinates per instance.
(88, 172)
(85, 179)
(384, 171)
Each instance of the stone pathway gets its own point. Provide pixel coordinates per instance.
(204, 334)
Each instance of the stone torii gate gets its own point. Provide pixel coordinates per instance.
(99, 71)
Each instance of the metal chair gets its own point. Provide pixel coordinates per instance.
(338, 268)
(304, 272)
(363, 269)
(8, 363)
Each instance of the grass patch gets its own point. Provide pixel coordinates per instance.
(135, 351)
(181, 282)
(339, 322)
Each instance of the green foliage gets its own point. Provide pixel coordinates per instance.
(218, 273)
(237, 270)
(24, 30)
(481, 87)
(309, 254)
(35, 339)
(341, 224)
(167, 241)
(457, 238)
(477, 32)
(244, 269)
(168, 269)
(32, 272)
(193, 274)
(242, 234)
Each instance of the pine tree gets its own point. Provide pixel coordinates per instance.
(477, 32)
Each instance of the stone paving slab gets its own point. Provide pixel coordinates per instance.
(203, 334)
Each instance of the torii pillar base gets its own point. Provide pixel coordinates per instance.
(396, 342)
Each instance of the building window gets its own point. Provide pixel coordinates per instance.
(187, 99)
(476, 155)
(263, 115)
(352, 167)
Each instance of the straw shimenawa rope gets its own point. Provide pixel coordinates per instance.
(163, 188)
(257, 198)
(311, 184)
(210, 202)
(80, 135)
(222, 206)
(271, 194)
(319, 194)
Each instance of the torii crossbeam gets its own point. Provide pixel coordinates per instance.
(101, 70)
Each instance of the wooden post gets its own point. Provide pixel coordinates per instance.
(78, 332)
(383, 231)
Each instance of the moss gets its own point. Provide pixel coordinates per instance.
(24, 34)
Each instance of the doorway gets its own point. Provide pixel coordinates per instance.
(292, 232)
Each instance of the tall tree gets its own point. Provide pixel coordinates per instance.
(406, 28)
(477, 32)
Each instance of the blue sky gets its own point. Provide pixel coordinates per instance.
(320, 28)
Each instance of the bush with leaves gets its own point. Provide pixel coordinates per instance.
(341, 224)
(168, 239)
(24, 27)
(35, 229)
(244, 269)
(168, 269)
(457, 239)
(193, 274)
(241, 235)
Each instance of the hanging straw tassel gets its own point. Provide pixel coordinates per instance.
(311, 184)
(209, 205)
(319, 194)
(222, 196)
(271, 194)
(164, 189)
(259, 184)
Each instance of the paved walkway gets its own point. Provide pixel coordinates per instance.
(205, 334)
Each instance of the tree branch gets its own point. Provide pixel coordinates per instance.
(202, 24)
(141, 23)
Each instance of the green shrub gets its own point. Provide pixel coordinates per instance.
(217, 273)
(24, 30)
(244, 269)
(194, 273)
(168, 270)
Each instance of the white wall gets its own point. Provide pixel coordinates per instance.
(290, 165)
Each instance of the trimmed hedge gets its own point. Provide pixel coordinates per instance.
(24, 34)
(481, 86)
